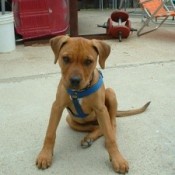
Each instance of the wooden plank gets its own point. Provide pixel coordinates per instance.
(45, 41)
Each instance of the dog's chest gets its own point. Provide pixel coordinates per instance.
(89, 114)
(83, 104)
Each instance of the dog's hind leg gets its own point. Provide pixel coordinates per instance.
(87, 127)
(94, 130)
(91, 137)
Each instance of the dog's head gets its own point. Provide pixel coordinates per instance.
(78, 58)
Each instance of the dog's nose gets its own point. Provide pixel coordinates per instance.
(75, 81)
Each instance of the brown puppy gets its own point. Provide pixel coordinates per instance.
(78, 58)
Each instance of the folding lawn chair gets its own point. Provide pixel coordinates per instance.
(154, 9)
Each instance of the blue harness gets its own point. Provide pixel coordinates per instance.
(76, 95)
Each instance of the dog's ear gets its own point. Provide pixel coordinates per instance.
(57, 43)
(103, 51)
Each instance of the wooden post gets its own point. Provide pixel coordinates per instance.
(73, 11)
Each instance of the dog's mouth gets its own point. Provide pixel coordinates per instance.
(76, 83)
(75, 88)
(78, 87)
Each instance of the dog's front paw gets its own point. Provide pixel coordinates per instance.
(120, 165)
(44, 159)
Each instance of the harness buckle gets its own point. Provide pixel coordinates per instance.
(74, 95)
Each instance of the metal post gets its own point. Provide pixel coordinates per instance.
(3, 6)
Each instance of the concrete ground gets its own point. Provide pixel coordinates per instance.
(139, 69)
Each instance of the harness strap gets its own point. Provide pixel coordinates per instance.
(78, 108)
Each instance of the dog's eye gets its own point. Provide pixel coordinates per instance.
(66, 59)
(87, 62)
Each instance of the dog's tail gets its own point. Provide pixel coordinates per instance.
(133, 111)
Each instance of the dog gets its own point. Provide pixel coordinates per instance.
(91, 107)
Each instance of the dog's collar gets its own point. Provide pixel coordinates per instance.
(75, 95)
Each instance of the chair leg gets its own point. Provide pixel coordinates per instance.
(121, 4)
(146, 24)
(114, 4)
(101, 4)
